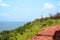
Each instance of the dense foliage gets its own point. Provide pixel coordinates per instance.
(30, 29)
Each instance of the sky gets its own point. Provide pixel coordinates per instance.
(27, 10)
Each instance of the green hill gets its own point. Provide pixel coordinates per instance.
(30, 29)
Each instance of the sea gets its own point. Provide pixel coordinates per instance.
(10, 25)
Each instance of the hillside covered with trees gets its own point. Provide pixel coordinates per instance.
(30, 29)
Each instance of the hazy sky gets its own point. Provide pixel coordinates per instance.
(27, 10)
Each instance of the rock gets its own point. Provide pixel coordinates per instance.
(49, 33)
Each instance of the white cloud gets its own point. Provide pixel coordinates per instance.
(4, 5)
(48, 6)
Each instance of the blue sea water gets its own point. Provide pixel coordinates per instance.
(10, 25)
